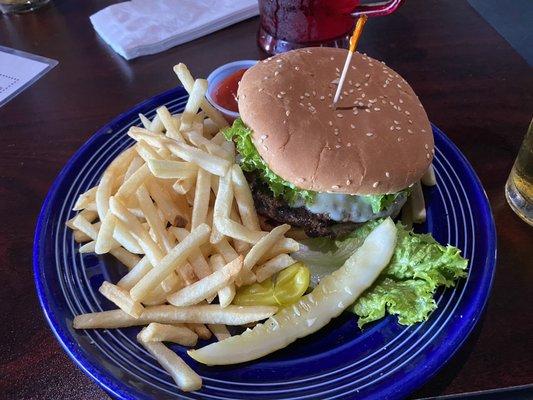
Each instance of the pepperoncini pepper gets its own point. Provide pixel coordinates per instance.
(285, 289)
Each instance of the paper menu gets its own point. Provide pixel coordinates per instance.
(18, 70)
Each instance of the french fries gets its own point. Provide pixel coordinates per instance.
(208, 286)
(121, 298)
(169, 333)
(166, 314)
(278, 263)
(197, 94)
(226, 293)
(418, 206)
(186, 379)
(173, 259)
(220, 331)
(176, 209)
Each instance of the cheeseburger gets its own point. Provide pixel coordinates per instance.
(325, 167)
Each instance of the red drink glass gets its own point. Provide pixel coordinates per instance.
(290, 24)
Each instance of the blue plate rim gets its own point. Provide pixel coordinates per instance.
(120, 390)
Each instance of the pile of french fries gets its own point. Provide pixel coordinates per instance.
(177, 211)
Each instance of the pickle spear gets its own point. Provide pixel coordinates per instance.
(333, 294)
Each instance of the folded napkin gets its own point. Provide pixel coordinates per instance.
(140, 27)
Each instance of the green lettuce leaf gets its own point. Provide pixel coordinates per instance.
(251, 161)
(406, 286)
(380, 202)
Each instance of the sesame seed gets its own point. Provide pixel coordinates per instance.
(409, 130)
(330, 123)
(398, 86)
(337, 69)
(367, 110)
(283, 92)
(357, 85)
(360, 104)
(260, 90)
(302, 104)
(263, 137)
(279, 96)
(307, 94)
(348, 182)
(426, 146)
(401, 101)
(297, 68)
(398, 128)
(377, 108)
(422, 130)
(392, 128)
(278, 60)
(428, 156)
(375, 184)
(407, 112)
(314, 93)
(363, 95)
(350, 82)
(322, 97)
(349, 144)
(337, 146)
(301, 179)
(332, 58)
(366, 84)
(367, 75)
(369, 134)
(345, 93)
(351, 91)
(330, 95)
(410, 121)
(371, 64)
(353, 66)
(287, 113)
(301, 97)
(276, 73)
(335, 187)
(352, 126)
(396, 122)
(265, 78)
(399, 139)
(339, 115)
(387, 174)
(355, 112)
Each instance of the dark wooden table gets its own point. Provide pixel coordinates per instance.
(472, 83)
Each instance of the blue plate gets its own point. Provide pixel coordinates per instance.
(385, 360)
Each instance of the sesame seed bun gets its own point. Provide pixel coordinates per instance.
(378, 139)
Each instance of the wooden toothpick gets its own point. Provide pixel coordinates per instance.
(354, 40)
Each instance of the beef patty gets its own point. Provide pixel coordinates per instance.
(277, 211)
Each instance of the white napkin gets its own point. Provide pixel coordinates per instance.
(140, 27)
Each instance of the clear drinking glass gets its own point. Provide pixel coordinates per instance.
(519, 186)
(21, 6)
(291, 24)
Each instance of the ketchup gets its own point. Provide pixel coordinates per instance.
(226, 92)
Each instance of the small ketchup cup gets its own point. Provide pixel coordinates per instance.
(217, 77)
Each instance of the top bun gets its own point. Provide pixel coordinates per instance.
(378, 139)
